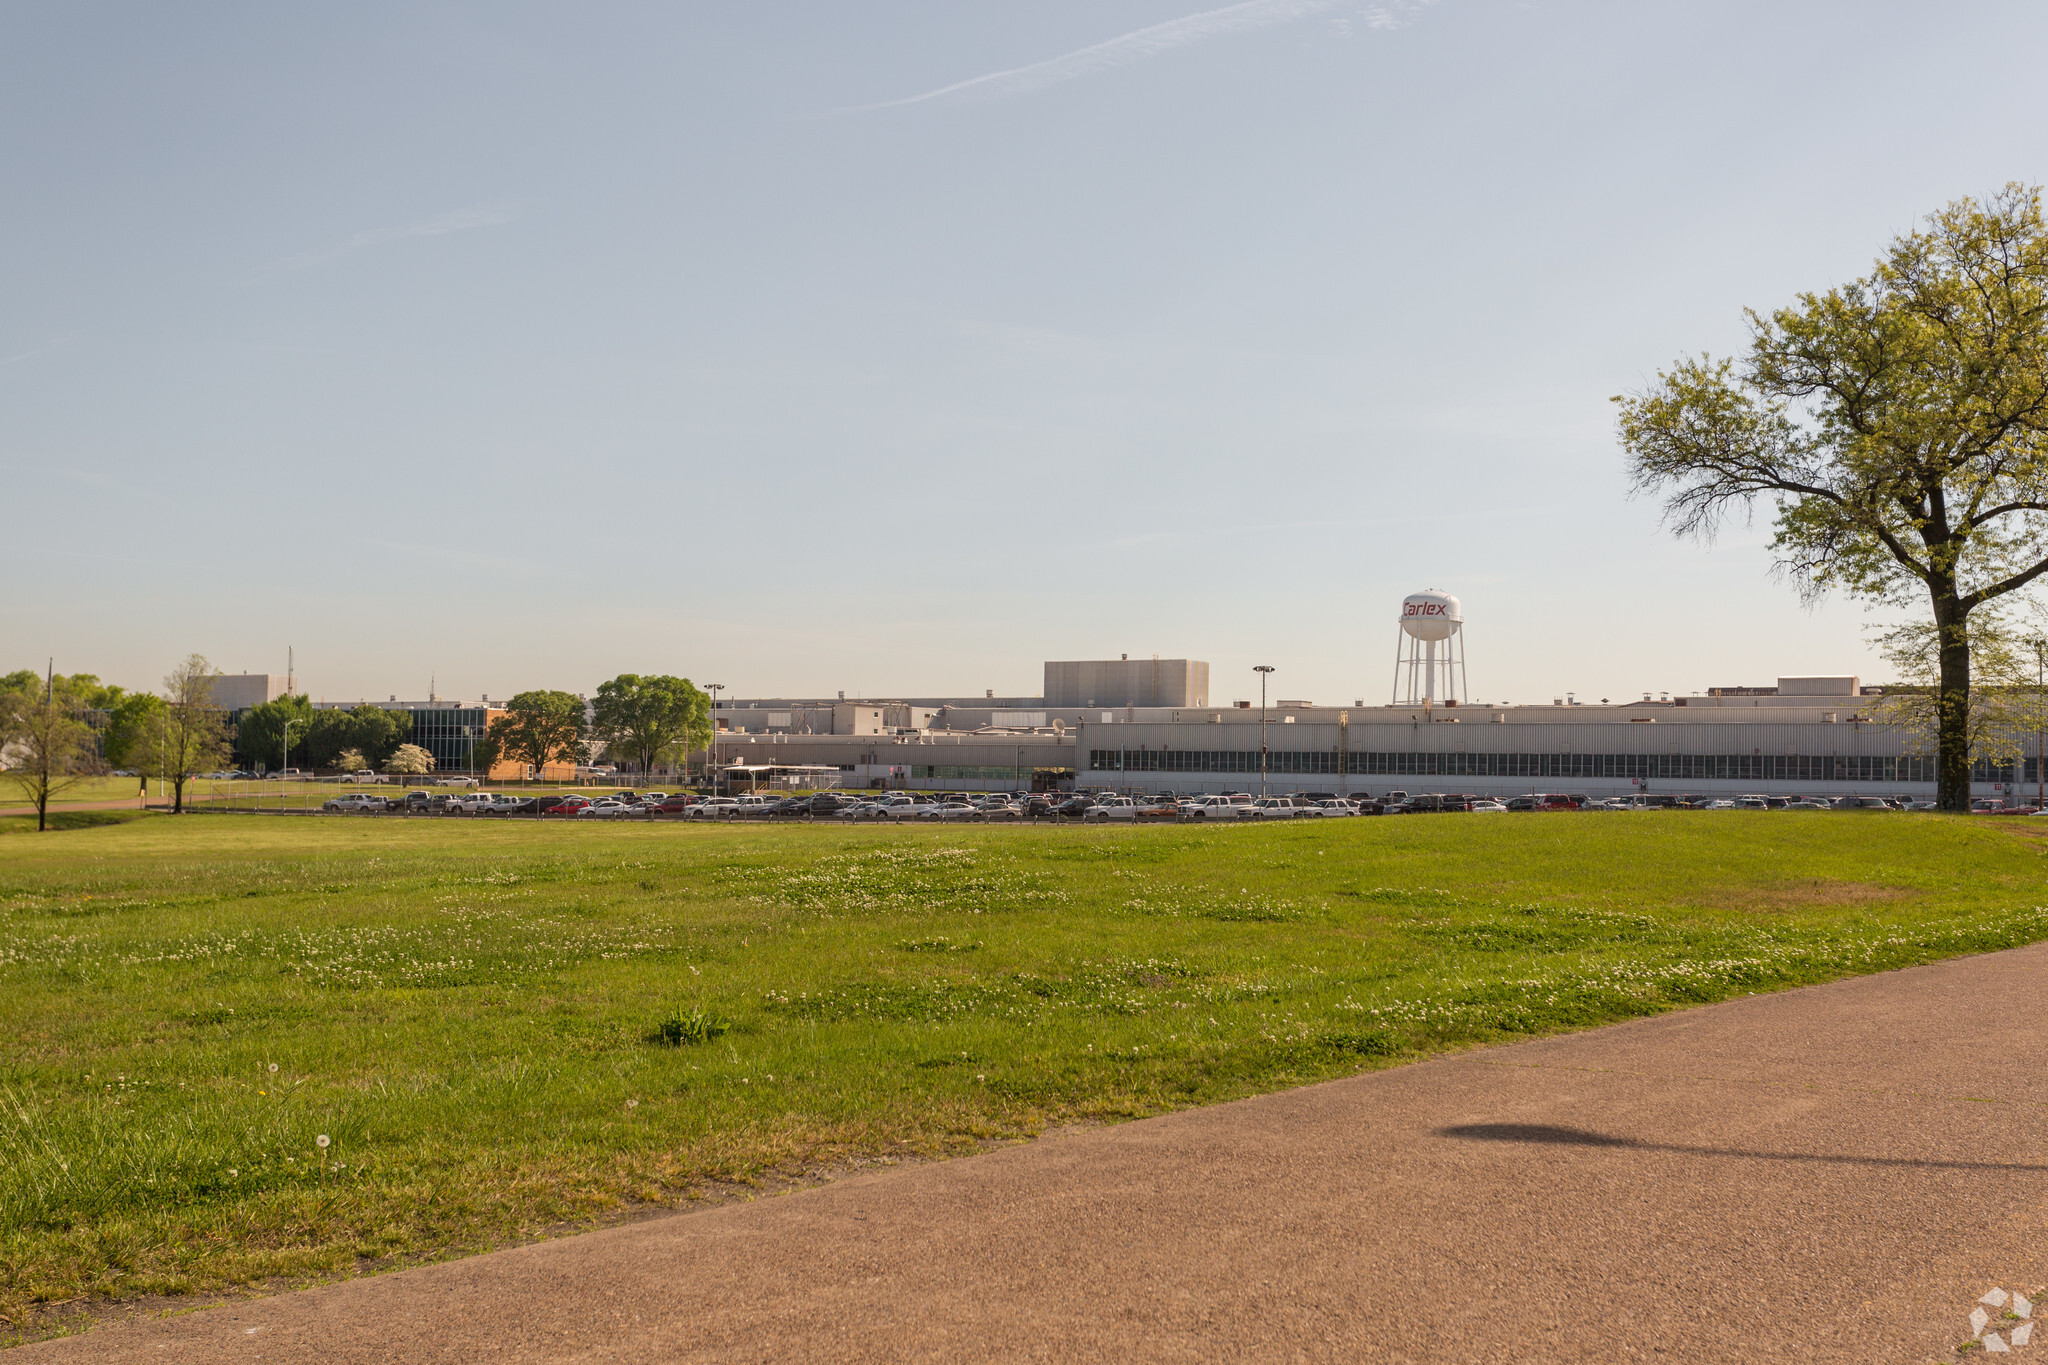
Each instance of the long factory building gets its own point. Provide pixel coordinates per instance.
(1148, 726)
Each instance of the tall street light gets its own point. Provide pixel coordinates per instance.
(1262, 670)
(289, 723)
(714, 689)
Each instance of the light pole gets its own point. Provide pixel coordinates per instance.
(2040, 644)
(1262, 670)
(714, 689)
(288, 724)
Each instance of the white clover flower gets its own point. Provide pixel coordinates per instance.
(321, 1141)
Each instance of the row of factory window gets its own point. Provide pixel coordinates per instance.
(1727, 767)
(969, 773)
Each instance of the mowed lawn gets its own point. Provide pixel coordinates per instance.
(471, 1012)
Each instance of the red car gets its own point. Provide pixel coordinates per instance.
(563, 805)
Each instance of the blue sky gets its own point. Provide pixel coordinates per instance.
(897, 347)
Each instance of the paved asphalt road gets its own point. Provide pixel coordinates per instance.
(1832, 1174)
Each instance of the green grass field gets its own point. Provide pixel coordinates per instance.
(472, 1013)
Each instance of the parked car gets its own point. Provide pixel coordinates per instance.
(958, 811)
(907, 806)
(1270, 808)
(1335, 805)
(712, 808)
(1807, 803)
(1542, 801)
(507, 804)
(473, 803)
(567, 804)
(356, 801)
(1210, 808)
(1112, 808)
(455, 782)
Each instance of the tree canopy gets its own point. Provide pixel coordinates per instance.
(541, 727)
(193, 735)
(410, 759)
(319, 735)
(643, 720)
(1897, 425)
(260, 733)
(51, 748)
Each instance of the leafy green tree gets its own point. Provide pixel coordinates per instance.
(643, 720)
(369, 729)
(260, 734)
(541, 727)
(378, 732)
(1898, 426)
(50, 747)
(125, 742)
(193, 737)
(485, 753)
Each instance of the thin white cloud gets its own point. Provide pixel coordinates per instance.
(1143, 44)
(462, 220)
(54, 344)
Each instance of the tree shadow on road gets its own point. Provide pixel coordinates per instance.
(1554, 1136)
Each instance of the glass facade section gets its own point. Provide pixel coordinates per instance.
(450, 734)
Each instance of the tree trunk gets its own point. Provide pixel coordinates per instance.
(1952, 705)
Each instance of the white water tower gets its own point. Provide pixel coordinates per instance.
(1429, 657)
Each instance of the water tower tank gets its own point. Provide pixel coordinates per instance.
(1431, 615)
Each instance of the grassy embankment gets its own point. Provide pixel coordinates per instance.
(466, 1009)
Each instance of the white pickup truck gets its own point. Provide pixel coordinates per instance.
(1215, 807)
(482, 803)
(711, 808)
(1112, 808)
(909, 807)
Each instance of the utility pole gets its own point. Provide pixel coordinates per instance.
(289, 722)
(1262, 670)
(714, 689)
(2040, 644)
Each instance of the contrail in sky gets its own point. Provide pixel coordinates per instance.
(1144, 43)
(462, 220)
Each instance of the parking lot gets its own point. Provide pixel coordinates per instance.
(1051, 808)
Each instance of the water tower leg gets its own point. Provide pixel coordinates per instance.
(1429, 676)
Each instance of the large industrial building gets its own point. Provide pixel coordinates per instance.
(1805, 735)
(1146, 725)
